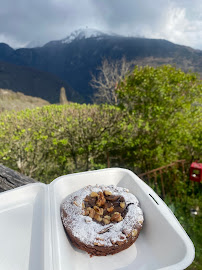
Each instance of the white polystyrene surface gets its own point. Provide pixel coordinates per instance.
(162, 243)
(22, 228)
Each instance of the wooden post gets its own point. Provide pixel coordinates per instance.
(155, 180)
(10, 179)
(175, 179)
(162, 185)
(148, 176)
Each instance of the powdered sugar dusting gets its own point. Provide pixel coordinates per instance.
(90, 232)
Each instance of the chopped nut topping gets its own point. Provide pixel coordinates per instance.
(122, 204)
(94, 194)
(98, 210)
(103, 207)
(92, 213)
(116, 217)
(98, 244)
(101, 199)
(134, 232)
(110, 209)
(76, 203)
(140, 221)
(97, 217)
(107, 192)
(86, 212)
(106, 221)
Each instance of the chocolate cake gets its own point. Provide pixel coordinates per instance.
(102, 220)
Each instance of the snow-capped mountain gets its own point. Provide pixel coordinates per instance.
(75, 58)
(83, 33)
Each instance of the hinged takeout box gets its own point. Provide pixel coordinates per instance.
(32, 235)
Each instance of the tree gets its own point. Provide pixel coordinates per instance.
(161, 104)
(63, 97)
(110, 73)
(58, 139)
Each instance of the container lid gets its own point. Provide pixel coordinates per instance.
(32, 235)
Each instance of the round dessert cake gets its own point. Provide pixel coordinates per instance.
(102, 220)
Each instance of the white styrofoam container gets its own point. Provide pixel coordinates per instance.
(32, 235)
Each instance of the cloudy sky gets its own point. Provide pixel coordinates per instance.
(24, 21)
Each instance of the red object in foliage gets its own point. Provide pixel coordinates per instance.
(196, 172)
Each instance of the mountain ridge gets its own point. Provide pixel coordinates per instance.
(74, 62)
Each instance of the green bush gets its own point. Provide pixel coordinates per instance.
(49, 141)
(165, 107)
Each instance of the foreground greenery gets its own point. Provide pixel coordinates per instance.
(182, 196)
(157, 120)
(52, 140)
(181, 207)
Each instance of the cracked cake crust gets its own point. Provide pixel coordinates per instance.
(102, 220)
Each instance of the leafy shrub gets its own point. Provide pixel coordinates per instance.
(165, 105)
(49, 141)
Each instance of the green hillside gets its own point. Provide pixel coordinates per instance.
(10, 100)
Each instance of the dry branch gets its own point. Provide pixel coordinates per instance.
(110, 73)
